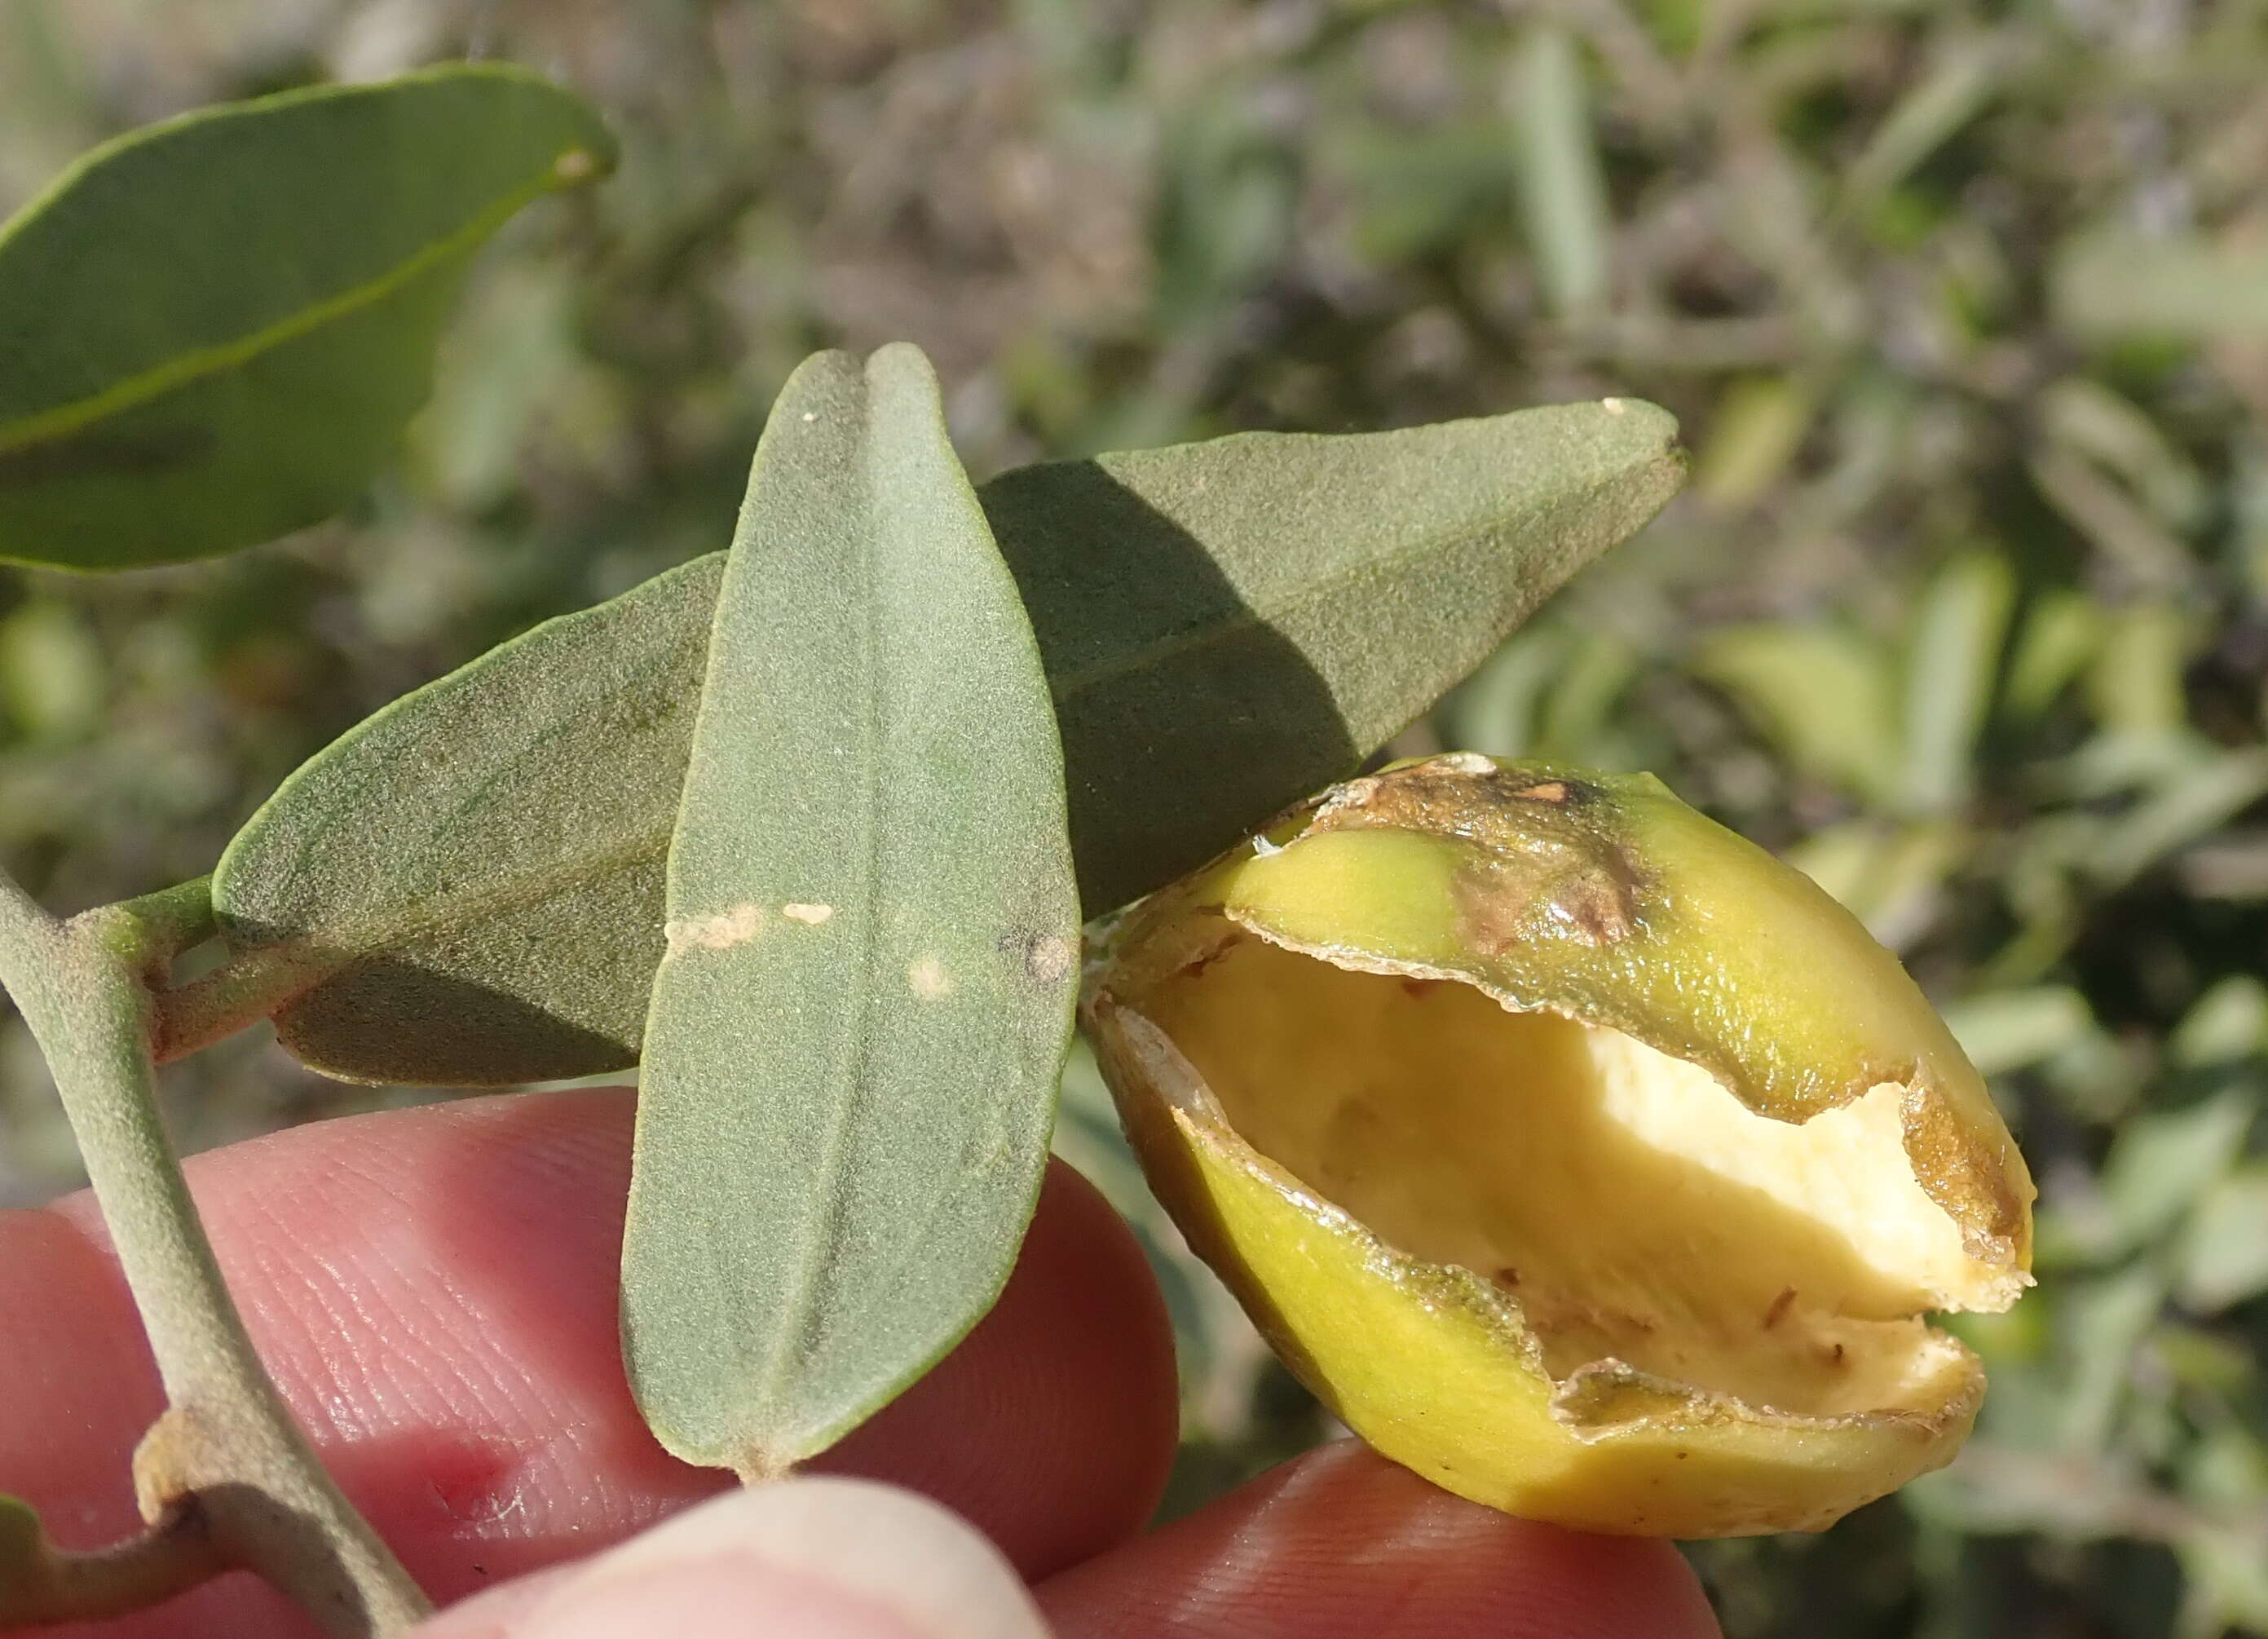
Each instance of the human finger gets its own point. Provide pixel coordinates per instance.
(1341, 1544)
(434, 1291)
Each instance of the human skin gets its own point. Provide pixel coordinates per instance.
(434, 1291)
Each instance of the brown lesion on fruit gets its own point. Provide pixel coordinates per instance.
(1778, 1312)
(1468, 796)
(1506, 901)
(1549, 862)
(1963, 1172)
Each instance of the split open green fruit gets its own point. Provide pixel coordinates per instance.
(1579, 1153)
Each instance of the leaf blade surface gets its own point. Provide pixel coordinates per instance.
(1227, 627)
(872, 954)
(212, 329)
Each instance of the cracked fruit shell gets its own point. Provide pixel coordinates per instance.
(1580, 1155)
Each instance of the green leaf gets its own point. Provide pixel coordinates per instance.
(212, 329)
(466, 890)
(1233, 625)
(872, 944)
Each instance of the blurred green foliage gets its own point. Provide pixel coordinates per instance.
(1965, 309)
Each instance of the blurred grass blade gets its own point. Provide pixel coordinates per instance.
(2105, 1321)
(2179, 809)
(2106, 512)
(1760, 424)
(1563, 191)
(2105, 286)
(2011, 1029)
(872, 944)
(2135, 686)
(212, 330)
(2058, 637)
(2164, 1160)
(1891, 877)
(2226, 1024)
(1951, 663)
(1967, 74)
(466, 888)
(2225, 1254)
(2096, 422)
(1823, 696)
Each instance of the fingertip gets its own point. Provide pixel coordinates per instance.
(799, 1559)
(435, 1291)
(1074, 1365)
(1341, 1541)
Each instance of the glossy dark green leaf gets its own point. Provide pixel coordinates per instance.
(873, 943)
(212, 330)
(1227, 627)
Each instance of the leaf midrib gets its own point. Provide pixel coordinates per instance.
(63, 420)
(800, 1302)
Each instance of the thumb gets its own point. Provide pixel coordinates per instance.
(798, 1559)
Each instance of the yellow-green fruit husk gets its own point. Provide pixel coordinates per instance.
(1580, 1155)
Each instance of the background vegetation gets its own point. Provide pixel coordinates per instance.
(1964, 308)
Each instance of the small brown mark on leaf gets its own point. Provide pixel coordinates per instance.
(1507, 1277)
(1549, 791)
(721, 931)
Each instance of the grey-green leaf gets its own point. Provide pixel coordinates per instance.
(468, 887)
(1227, 627)
(212, 329)
(1231, 625)
(873, 948)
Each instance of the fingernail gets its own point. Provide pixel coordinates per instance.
(801, 1559)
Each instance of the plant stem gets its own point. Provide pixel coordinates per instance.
(48, 1585)
(242, 991)
(226, 1439)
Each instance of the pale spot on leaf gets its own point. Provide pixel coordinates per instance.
(809, 915)
(1048, 958)
(929, 980)
(721, 931)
